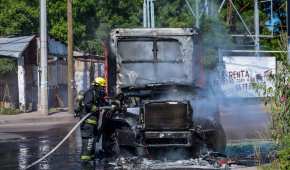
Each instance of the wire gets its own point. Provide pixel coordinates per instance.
(60, 143)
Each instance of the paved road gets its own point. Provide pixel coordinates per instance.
(34, 121)
(19, 150)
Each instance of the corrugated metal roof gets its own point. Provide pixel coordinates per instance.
(14, 46)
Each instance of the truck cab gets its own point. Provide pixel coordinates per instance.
(159, 72)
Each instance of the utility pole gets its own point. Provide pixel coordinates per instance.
(152, 14)
(197, 14)
(148, 14)
(257, 27)
(70, 78)
(43, 56)
(206, 6)
(145, 14)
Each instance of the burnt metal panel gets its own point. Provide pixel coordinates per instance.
(150, 56)
(168, 138)
(151, 61)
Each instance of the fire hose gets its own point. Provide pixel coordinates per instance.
(64, 139)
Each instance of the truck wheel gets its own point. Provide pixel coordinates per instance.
(214, 136)
(217, 140)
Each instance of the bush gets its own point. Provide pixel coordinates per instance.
(278, 102)
(7, 65)
(284, 153)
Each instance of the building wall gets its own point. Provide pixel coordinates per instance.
(31, 88)
(57, 83)
(85, 73)
(9, 90)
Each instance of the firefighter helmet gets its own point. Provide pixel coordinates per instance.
(100, 81)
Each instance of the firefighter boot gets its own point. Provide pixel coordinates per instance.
(88, 149)
(88, 165)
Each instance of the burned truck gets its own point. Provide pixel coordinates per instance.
(159, 74)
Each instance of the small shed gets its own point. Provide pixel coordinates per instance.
(19, 88)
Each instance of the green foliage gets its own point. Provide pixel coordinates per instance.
(9, 111)
(284, 153)
(173, 13)
(18, 17)
(114, 14)
(214, 36)
(7, 65)
(278, 102)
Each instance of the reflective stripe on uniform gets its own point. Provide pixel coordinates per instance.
(86, 157)
(91, 121)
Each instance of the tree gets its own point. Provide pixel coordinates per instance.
(7, 65)
(18, 17)
(93, 20)
(173, 13)
(115, 14)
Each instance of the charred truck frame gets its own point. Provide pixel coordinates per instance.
(159, 73)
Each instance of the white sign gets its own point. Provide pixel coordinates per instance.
(241, 72)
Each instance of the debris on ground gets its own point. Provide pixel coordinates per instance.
(209, 161)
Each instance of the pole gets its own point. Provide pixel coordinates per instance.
(206, 7)
(43, 60)
(197, 13)
(70, 78)
(148, 14)
(145, 14)
(257, 27)
(152, 14)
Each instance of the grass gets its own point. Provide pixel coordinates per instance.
(9, 111)
(272, 166)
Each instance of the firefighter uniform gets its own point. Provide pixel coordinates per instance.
(92, 100)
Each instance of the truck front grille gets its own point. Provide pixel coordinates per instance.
(166, 116)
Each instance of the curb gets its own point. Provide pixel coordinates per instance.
(37, 119)
(40, 126)
(35, 122)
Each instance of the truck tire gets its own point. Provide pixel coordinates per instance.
(214, 134)
(217, 140)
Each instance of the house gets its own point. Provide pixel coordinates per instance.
(21, 87)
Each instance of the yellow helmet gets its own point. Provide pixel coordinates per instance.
(100, 81)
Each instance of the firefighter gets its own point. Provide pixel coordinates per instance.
(90, 102)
